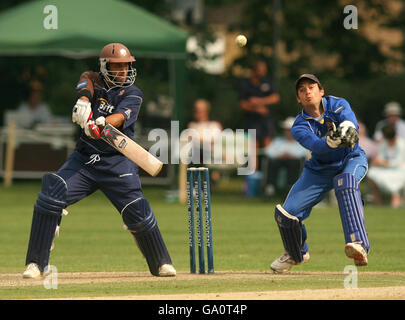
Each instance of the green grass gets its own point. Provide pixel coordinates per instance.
(245, 235)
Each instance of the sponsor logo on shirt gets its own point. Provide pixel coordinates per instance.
(104, 107)
(93, 159)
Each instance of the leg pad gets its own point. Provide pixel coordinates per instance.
(47, 211)
(141, 222)
(351, 209)
(291, 233)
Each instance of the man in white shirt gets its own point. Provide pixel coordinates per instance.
(387, 171)
(393, 113)
(33, 110)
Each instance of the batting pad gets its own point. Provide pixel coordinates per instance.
(141, 222)
(351, 209)
(291, 233)
(47, 211)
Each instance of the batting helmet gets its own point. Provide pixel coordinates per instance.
(117, 53)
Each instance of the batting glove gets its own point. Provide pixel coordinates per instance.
(93, 128)
(82, 112)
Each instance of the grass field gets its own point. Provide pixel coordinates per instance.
(95, 257)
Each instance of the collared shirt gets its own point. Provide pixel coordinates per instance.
(311, 134)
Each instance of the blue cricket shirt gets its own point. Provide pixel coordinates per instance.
(311, 134)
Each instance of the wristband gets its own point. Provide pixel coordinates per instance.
(84, 93)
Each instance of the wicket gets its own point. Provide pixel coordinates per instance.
(198, 182)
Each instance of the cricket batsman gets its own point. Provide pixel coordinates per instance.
(328, 128)
(105, 97)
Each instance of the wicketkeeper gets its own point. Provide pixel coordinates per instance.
(327, 127)
(105, 97)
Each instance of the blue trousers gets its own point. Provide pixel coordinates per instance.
(312, 186)
(116, 176)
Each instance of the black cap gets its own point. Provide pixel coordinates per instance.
(307, 76)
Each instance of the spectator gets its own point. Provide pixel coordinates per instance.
(256, 94)
(207, 130)
(369, 145)
(284, 153)
(387, 171)
(392, 113)
(201, 119)
(33, 110)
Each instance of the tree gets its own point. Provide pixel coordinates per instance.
(313, 36)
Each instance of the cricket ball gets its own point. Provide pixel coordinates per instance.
(241, 40)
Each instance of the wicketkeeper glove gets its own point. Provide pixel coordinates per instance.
(344, 136)
(82, 112)
(348, 133)
(333, 139)
(94, 128)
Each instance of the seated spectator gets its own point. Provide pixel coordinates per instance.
(387, 170)
(369, 145)
(207, 130)
(283, 153)
(201, 120)
(33, 110)
(392, 113)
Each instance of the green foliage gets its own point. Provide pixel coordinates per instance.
(314, 31)
(368, 96)
(308, 27)
(220, 91)
(58, 76)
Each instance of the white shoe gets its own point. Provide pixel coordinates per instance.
(167, 270)
(32, 271)
(355, 250)
(285, 263)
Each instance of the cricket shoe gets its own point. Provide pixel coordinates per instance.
(32, 271)
(355, 251)
(285, 263)
(167, 270)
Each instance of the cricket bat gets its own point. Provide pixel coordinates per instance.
(131, 150)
